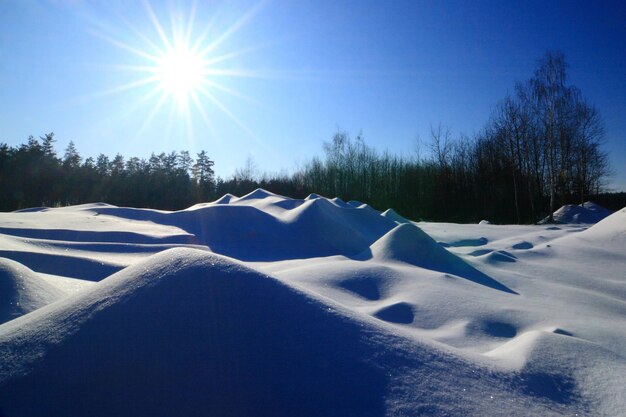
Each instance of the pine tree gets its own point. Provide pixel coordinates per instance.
(203, 175)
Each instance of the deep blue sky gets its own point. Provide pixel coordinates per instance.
(390, 69)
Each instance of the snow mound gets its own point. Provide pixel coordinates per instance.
(225, 199)
(223, 339)
(340, 203)
(362, 206)
(22, 290)
(409, 244)
(258, 194)
(391, 214)
(265, 227)
(586, 213)
(550, 362)
(218, 337)
(609, 231)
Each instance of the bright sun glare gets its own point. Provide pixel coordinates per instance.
(181, 66)
(180, 73)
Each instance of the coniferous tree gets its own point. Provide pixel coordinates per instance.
(204, 175)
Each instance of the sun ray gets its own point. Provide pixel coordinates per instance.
(143, 99)
(132, 68)
(230, 55)
(119, 89)
(131, 85)
(155, 110)
(228, 113)
(125, 46)
(177, 29)
(188, 124)
(157, 25)
(233, 29)
(205, 117)
(201, 110)
(234, 93)
(201, 39)
(268, 74)
(190, 22)
(155, 48)
(232, 73)
(261, 143)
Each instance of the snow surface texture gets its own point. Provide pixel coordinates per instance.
(268, 306)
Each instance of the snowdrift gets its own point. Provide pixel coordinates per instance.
(191, 333)
(266, 305)
(609, 231)
(586, 213)
(262, 226)
(393, 215)
(22, 291)
(408, 243)
(188, 333)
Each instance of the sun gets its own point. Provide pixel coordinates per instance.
(181, 73)
(181, 67)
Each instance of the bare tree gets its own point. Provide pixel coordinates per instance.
(249, 171)
(549, 94)
(590, 163)
(440, 145)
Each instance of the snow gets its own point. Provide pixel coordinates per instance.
(266, 305)
(586, 213)
(610, 231)
(393, 215)
(23, 291)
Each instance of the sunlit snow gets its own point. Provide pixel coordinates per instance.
(269, 306)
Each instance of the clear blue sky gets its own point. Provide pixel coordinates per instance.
(292, 72)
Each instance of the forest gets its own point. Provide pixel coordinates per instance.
(541, 148)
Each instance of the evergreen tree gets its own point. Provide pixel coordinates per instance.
(203, 175)
(71, 158)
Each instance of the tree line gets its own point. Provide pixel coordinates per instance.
(34, 175)
(541, 147)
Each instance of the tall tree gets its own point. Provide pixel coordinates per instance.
(551, 98)
(203, 174)
(71, 158)
(47, 142)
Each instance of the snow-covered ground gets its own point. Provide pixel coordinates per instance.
(268, 306)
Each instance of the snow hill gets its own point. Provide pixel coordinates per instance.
(22, 290)
(264, 305)
(586, 213)
(262, 226)
(393, 215)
